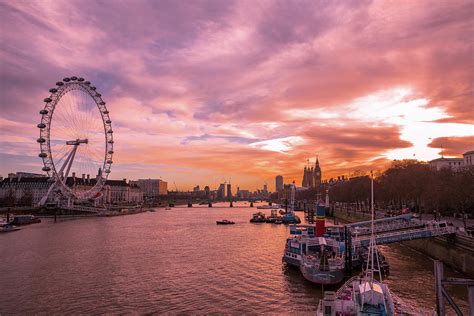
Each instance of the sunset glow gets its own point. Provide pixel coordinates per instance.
(246, 90)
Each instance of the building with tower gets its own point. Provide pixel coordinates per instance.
(312, 175)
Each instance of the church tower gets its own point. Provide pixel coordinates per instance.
(317, 174)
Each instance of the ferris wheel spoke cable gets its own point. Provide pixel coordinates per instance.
(72, 111)
(94, 153)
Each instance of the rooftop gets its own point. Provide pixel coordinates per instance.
(447, 159)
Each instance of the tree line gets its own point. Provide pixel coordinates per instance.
(412, 184)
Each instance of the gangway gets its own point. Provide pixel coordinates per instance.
(427, 230)
(402, 218)
(387, 226)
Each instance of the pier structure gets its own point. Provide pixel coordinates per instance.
(442, 293)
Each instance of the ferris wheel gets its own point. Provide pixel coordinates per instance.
(76, 139)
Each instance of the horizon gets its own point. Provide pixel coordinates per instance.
(243, 92)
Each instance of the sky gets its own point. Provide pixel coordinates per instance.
(202, 92)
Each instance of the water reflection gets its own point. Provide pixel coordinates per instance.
(171, 261)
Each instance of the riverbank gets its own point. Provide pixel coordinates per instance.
(68, 213)
(458, 253)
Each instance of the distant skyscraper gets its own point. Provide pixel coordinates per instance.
(207, 190)
(221, 191)
(265, 188)
(279, 183)
(229, 191)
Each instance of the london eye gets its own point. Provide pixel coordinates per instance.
(76, 139)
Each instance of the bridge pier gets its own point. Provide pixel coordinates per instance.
(251, 203)
(210, 204)
(231, 204)
(190, 204)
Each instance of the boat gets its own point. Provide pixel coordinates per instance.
(258, 218)
(289, 217)
(364, 295)
(225, 222)
(319, 253)
(268, 207)
(19, 220)
(273, 217)
(8, 228)
(321, 260)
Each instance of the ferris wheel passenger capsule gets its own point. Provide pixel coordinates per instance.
(43, 112)
(41, 140)
(53, 90)
(47, 100)
(59, 83)
(73, 78)
(43, 155)
(66, 79)
(46, 169)
(80, 79)
(41, 125)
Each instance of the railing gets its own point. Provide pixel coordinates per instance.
(391, 237)
(385, 227)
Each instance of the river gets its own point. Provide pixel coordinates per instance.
(174, 261)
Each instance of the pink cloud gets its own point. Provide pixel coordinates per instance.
(191, 85)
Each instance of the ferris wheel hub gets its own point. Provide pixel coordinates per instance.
(77, 141)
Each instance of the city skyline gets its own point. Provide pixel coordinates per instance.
(233, 90)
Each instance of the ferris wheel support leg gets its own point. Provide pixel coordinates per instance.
(43, 200)
(73, 153)
(68, 163)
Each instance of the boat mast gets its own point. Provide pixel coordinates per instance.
(292, 197)
(373, 254)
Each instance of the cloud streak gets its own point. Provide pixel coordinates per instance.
(208, 90)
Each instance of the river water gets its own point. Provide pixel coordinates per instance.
(174, 261)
